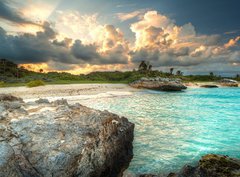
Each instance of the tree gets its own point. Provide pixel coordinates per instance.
(211, 74)
(142, 66)
(171, 70)
(3, 66)
(179, 73)
(40, 70)
(150, 67)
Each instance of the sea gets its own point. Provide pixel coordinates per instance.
(177, 128)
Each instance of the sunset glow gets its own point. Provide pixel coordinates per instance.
(65, 37)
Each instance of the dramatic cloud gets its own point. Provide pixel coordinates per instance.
(10, 14)
(44, 47)
(76, 43)
(73, 25)
(131, 15)
(232, 42)
(160, 41)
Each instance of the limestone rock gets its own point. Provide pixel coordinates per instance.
(212, 165)
(158, 83)
(42, 139)
(228, 83)
(8, 97)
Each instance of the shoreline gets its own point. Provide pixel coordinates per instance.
(82, 90)
(77, 92)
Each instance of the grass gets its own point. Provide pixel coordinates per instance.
(13, 85)
(116, 77)
(2, 84)
(35, 83)
(85, 82)
(59, 82)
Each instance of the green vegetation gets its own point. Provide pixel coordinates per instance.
(12, 75)
(1, 84)
(35, 83)
(237, 77)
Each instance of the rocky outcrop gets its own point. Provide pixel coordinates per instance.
(228, 83)
(6, 97)
(210, 165)
(209, 86)
(42, 139)
(158, 83)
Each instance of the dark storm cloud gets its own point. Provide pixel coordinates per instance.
(170, 58)
(10, 14)
(84, 52)
(44, 47)
(89, 54)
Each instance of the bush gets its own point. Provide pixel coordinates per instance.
(35, 83)
(1, 84)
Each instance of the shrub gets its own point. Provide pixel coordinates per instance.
(1, 84)
(35, 83)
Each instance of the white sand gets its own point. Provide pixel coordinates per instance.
(70, 92)
(74, 92)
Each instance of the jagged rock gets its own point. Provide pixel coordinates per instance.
(42, 101)
(8, 97)
(212, 165)
(228, 83)
(7, 161)
(57, 139)
(158, 83)
(209, 86)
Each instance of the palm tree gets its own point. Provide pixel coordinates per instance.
(142, 66)
(150, 67)
(179, 73)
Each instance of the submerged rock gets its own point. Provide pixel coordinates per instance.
(58, 139)
(210, 165)
(158, 83)
(228, 83)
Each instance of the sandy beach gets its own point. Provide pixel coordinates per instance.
(69, 92)
(77, 91)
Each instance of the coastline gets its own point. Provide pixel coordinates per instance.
(54, 92)
(74, 93)
(83, 90)
(80, 91)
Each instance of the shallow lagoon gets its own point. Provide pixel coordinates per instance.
(173, 129)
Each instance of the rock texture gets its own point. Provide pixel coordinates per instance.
(210, 165)
(158, 83)
(42, 139)
(228, 83)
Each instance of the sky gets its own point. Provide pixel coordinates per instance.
(81, 36)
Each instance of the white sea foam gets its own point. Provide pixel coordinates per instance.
(77, 98)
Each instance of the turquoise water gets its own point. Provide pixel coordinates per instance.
(173, 129)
